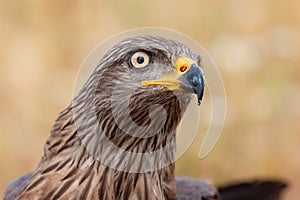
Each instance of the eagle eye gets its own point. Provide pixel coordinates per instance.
(139, 59)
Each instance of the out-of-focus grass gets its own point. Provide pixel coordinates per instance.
(255, 44)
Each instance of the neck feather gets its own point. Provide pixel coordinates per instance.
(68, 169)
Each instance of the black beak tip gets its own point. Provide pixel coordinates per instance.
(199, 102)
(200, 96)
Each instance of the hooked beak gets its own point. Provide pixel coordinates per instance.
(189, 78)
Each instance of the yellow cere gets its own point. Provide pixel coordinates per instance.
(183, 64)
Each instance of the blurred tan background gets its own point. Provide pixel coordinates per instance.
(255, 44)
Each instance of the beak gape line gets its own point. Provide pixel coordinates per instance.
(187, 77)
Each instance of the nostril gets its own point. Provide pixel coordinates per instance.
(183, 68)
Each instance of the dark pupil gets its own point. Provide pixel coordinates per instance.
(140, 59)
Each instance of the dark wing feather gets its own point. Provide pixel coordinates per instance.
(16, 186)
(193, 189)
(258, 190)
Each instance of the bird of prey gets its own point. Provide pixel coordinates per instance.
(132, 103)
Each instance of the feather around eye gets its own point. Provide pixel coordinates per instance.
(139, 59)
